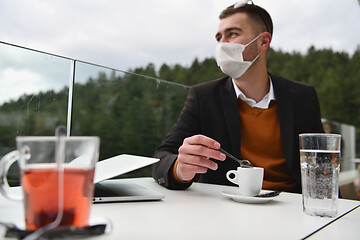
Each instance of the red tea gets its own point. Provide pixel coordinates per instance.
(41, 191)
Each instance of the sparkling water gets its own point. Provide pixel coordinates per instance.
(320, 186)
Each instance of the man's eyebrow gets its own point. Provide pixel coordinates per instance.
(217, 35)
(232, 29)
(228, 30)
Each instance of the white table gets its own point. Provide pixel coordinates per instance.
(347, 227)
(203, 212)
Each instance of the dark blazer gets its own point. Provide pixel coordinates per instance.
(211, 109)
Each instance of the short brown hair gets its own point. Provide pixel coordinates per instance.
(255, 12)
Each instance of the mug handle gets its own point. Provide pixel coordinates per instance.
(233, 180)
(5, 164)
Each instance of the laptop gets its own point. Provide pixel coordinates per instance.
(116, 190)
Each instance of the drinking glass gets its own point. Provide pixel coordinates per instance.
(320, 166)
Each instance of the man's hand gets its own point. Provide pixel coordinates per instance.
(194, 156)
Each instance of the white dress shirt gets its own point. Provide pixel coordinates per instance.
(263, 103)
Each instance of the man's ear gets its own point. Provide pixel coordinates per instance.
(265, 42)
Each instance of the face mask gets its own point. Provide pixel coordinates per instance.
(229, 57)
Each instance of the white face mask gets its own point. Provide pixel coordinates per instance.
(229, 57)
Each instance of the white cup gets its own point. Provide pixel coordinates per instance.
(249, 180)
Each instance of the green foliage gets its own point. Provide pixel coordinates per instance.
(133, 112)
(197, 73)
(335, 75)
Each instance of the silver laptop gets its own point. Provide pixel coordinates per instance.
(116, 190)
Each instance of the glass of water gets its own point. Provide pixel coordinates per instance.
(320, 166)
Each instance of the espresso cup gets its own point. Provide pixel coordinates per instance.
(249, 180)
(56, 178)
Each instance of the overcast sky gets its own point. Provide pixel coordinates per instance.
(131, 33)
(125, 34)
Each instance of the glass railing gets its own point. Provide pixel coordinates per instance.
(130, 113)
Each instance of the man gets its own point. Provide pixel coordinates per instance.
(251, 114)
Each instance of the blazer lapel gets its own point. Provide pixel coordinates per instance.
(286, 119)
(230, 108)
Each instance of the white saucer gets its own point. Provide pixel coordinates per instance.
(234, 195)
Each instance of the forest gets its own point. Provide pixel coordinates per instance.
(133, 111)
(335, 75)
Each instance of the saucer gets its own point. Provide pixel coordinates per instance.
(234, 195)
(96, 227)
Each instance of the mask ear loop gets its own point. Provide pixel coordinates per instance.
(253, 40)
(255, 58)
(251, 43)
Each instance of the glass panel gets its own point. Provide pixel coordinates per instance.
(33, 95)
(348, 143)
(131, 113)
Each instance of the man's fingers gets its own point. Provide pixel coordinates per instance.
(202, 140)
(188, 171)
(194, 156)
(199, 161)
(191, 168)
(202, 151)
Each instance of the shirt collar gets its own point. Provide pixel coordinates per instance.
(263, 103)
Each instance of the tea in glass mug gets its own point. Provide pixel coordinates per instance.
(56, 177)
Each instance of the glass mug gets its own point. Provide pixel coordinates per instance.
(56, 176)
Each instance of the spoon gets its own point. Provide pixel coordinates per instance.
(243, 163)
(269, 194)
